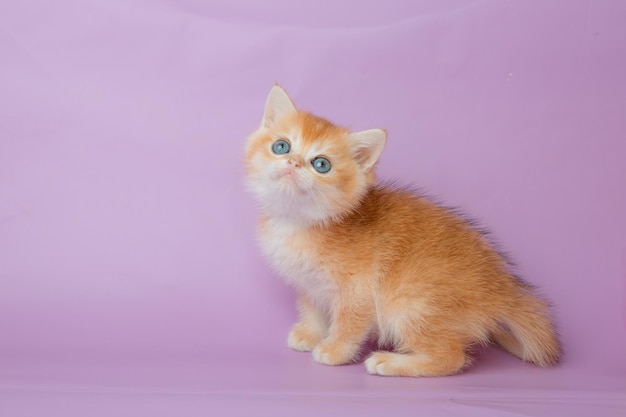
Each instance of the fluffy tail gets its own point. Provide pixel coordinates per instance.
(527, 332)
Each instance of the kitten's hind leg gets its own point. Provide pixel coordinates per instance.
(441, 360)
(310, 330)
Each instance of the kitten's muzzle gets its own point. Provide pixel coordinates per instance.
(296, 163)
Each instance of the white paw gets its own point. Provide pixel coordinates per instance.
(321, 356)
(302, 339)
(295, 341)
(329, 353)
(375, 364)
(397, 364)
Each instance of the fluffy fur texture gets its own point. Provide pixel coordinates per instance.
(369, 260)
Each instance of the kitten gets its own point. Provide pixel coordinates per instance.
(372, 260)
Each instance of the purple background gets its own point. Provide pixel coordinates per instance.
(130, 283)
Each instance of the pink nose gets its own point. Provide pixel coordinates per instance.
(294, 163)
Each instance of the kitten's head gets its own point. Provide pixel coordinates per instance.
(305, 169)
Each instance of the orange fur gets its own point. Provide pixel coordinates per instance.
(368, 259)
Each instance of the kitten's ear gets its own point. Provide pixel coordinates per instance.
(368, 145)
(277, 106)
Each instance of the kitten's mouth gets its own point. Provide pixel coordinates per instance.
(286, 173)
(290, 173)
(289, 176)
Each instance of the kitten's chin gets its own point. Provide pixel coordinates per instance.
(290, 182)
(295, 207)
(287, 199)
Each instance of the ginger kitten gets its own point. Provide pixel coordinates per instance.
(373, 260)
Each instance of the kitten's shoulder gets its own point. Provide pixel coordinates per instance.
(389, 205)
(385, 204)
(384, 197)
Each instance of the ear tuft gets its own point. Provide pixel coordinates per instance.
(277, 106)
(368, 145)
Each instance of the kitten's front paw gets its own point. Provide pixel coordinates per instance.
(333, 353)
(302, 339)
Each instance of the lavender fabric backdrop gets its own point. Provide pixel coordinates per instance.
(130, 283)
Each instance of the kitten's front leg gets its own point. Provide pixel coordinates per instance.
(351, 323)
(311, 328)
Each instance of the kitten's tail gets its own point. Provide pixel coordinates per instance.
(527, 332)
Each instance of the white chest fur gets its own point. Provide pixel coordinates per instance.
(291, 252)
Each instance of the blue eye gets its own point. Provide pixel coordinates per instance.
(321, 165)
(281, 147)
